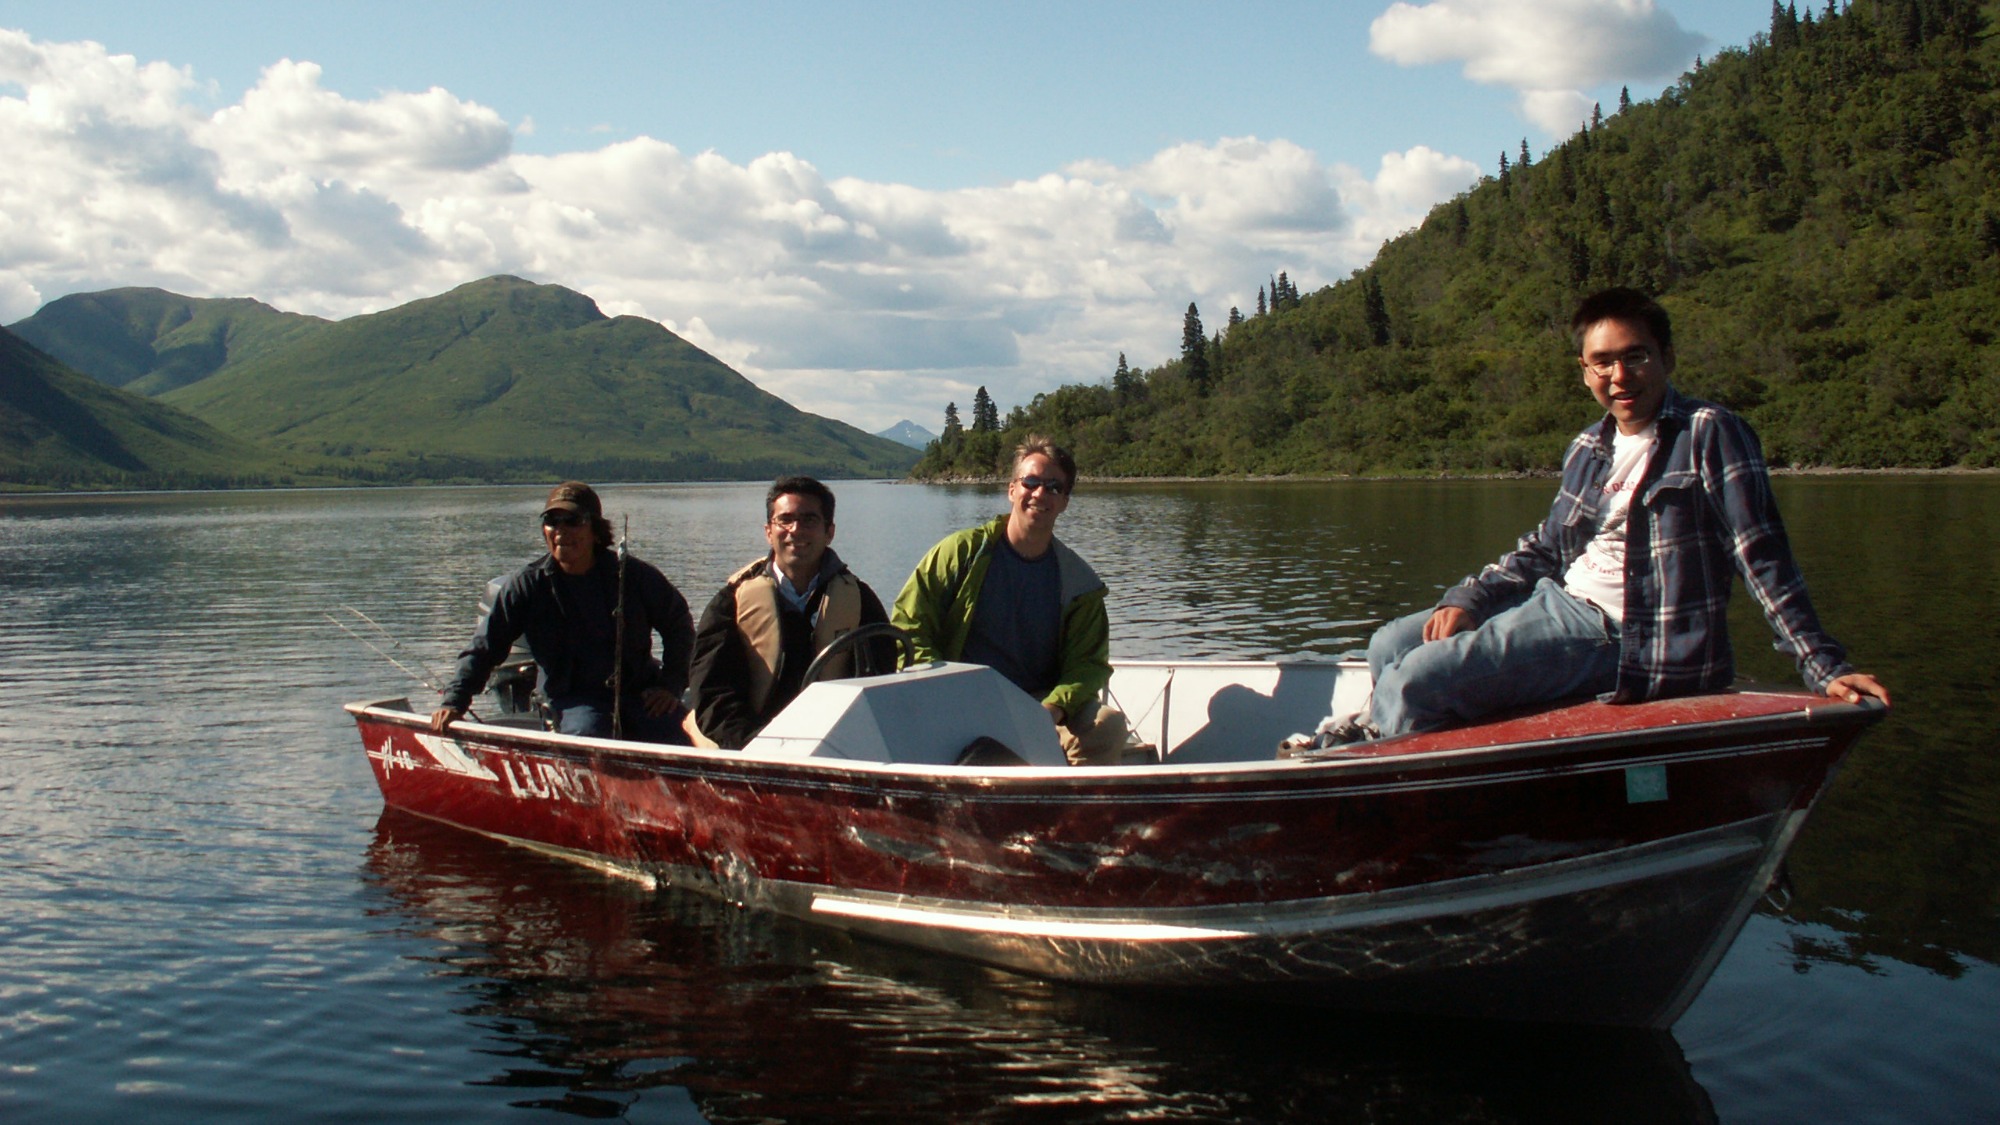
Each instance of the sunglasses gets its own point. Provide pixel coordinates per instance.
(561, 518)
(1055, 485)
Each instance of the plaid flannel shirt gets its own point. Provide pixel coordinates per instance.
(1703, 514)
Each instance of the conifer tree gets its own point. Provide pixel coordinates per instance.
(1124, 382)
(1260, 300)
(985, 415)
(1194, 350)
(1784, 26)
(1375, 310)
(954, 433)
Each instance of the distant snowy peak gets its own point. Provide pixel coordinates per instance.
(908, 433)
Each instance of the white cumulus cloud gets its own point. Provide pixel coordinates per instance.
(1547, 50)
(861, 300)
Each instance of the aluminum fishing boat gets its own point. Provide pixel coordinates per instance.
(1584, 863)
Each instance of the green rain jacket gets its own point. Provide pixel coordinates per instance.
(936, 606)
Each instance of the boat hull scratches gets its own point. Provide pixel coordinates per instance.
(1607, 940)
(1465, 885)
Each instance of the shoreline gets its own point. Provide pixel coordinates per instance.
(1534, 474)
(17, 491)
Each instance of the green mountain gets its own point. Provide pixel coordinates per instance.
(150, 341)
(504, 379)
(60, 429)
(499, 379)
(1819, 210)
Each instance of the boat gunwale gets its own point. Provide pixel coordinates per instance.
(1816, 713)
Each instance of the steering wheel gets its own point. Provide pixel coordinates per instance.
(864, 660)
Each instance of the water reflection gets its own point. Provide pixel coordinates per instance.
(600, 998)
(1900, 859)
(184, 802)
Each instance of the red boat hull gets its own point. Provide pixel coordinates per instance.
(1584, 864)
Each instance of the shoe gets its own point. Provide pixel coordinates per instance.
(1345, 730)
(1296, 745)
(1350, 730)
(1331, 732)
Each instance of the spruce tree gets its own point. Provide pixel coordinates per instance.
(954, 433)
(1375, 310)
(985, 415)
(1784, 26)
(1124, 382)
(1194, 350)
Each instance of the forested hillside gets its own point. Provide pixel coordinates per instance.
(150, 341)
(504, 379)
(500, 379)
(1819, 210)
(62, 430)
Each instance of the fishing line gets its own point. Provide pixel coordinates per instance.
(381, 652)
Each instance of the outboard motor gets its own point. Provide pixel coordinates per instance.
(512, 685)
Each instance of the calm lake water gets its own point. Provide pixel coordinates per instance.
(206, 914)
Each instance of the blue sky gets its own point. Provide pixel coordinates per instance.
(869, 208)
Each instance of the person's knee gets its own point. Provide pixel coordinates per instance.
(583, 720)
(1392, 642)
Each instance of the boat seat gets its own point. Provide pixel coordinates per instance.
(922, 716)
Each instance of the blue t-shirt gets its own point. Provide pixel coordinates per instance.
(1017, 625)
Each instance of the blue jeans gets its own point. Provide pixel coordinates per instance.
(1550, 646)
(590, 715)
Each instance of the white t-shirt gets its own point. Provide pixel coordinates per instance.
(1598, 575)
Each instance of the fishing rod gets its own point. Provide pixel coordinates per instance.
(386, 635)
(383, 653)
(618, 638)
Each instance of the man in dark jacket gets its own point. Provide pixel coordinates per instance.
(566, 603)
(762, 630)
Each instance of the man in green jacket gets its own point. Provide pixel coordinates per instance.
(1010, 595)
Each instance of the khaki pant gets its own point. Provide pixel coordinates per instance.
(1101, 736)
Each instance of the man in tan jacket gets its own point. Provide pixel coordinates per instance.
(771, 618)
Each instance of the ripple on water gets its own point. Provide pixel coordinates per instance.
(205, 916)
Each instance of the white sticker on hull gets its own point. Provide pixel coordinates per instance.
(529, 779)
(447, 754)
(451, 756)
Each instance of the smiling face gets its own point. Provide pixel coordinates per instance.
(1034, 510)
(798, 532)
(1626, 371)
(571, 539)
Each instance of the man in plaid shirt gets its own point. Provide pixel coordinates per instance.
(1623, 591)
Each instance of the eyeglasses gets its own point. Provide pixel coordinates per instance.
(1634, 360)
(562, 518)
(810, 521)
(1056, 485)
